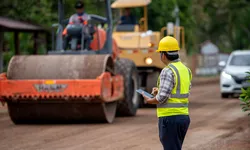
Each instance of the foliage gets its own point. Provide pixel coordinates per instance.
(245, 97)
(44, 12)
(224, 22)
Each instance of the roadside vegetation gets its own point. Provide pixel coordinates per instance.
(245, 97)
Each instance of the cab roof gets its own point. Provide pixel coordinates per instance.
(130, 3)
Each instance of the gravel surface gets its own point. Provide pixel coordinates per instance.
(216, 124)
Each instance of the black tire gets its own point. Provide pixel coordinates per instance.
(129, 105)
(225, 95)
(151, 82)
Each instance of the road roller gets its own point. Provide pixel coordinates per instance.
(84, 83)
(139, 43)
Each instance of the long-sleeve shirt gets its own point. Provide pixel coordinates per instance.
(76, 19)
(167, 83)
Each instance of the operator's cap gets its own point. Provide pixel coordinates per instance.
(79, 4)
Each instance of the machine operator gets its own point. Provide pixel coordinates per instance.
(80, 17)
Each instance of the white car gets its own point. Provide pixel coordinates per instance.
(233, 76)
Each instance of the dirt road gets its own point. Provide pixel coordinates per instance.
(216, 124)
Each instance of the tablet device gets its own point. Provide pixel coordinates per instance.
(145, 93)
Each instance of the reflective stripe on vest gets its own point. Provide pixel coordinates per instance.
(172, 105)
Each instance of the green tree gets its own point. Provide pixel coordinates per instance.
(225, 22)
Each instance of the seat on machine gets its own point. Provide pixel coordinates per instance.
(126, 28)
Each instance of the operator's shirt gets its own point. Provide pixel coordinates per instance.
(167, 83)
(78, 19)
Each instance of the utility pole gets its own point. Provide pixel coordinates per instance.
(177, 22)
(176, 14)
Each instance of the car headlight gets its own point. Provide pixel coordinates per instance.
(148, 60)
(226, 75)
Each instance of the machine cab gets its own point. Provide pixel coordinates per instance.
(139, 43)
(134, 36)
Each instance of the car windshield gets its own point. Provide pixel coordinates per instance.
(240, 60)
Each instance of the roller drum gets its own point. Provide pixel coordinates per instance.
(59, 67)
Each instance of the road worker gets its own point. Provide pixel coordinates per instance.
(171, 96)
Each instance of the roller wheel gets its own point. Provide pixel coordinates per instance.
(57, 110)
(151, 82)
(129, 105)
(61, 112)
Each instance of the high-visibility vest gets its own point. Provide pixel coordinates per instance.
(177, 104)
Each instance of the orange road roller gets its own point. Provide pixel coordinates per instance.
(86, 83)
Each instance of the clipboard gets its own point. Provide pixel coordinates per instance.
(145, 93)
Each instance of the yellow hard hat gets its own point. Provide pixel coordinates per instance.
(167, 44)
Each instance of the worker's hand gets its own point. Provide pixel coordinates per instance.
(146, 99)
(154, 91)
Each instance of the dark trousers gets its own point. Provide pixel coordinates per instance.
(172, 131)
(67, 38)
